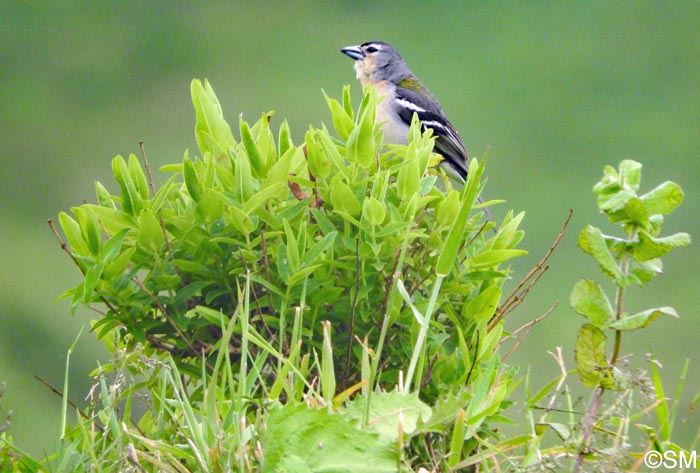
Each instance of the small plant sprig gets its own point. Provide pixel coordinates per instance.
(633, 259)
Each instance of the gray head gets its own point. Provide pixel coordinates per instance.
(377, 61)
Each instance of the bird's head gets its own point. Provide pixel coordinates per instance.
(377, 61)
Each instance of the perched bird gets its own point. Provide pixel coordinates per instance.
(381, 66)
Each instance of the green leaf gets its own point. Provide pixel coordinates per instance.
(318, 248)
(257, 163)
(319, 162)
(663, 199)
(630, 174)
(111, 248)
(299, 438)
(212, 132)
(71, 229)
(150, 236)
(373, 211)
(448, 209)
(591, 241)
(650, 247)
(347, 102)
(615, 202)
(387, 411)
(343, 199)
(491, 258)
(360, 146)
(588, 299)
(103, 195)
(92, 277)
(342, 122)
(456, 235)
(284, 141)
(591, 363)
(130, 198)
(264, 195)
(210, 207)
(138, 177)
(484, 305)
(243, 188)
(192, 180)
(89, 227)
(642, 319)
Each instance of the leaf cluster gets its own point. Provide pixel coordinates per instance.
(316, 270)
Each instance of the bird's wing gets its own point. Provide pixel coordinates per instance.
(448, 143)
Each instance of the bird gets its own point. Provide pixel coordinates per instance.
(379, 65)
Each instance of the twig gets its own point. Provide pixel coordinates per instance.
(58, 393)
(172, 323)
(518, 294)
(152, 187)
(527, 327)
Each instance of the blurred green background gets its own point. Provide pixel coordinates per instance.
(553, 90)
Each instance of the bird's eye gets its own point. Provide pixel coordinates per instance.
(372, 49)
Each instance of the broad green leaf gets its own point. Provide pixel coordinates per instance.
(630, 174)
(299, 438)
(330, 149)
(210, 207)
(588, 299)
(373, 211)
(591, 364)
(663, 199)
(385, 411)
(150, 236)
(642, 272)
(591, 241)
(319, 163)
(642, 319)
(343, 199)
(615, 202)
(484, 305)
(264, 195)
(650, 247)
(491, 258)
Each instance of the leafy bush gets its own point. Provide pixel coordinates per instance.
(333, 305)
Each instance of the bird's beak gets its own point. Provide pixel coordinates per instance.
(354, 52)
